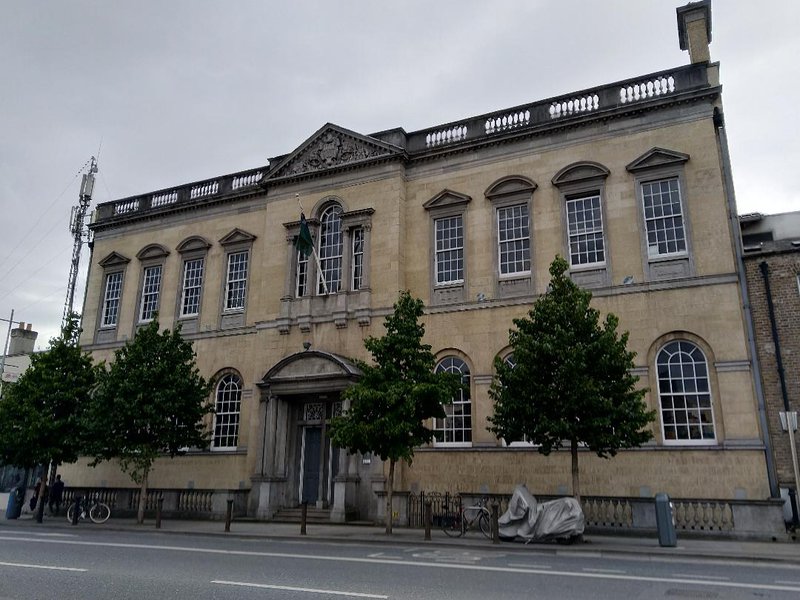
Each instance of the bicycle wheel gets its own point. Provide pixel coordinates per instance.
(485, 525)
(70, 512)
(452, 525)
(99, 512)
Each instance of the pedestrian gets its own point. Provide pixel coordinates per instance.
(56, 495)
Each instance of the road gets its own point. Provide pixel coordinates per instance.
(98, 563)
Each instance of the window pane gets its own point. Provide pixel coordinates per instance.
(513, 236)
(192, 285)
(449, 250)
(585, 230)
(151, 284)
(237, 281)
(330, 250)
(456, 427)
(111, 300)
(227, 407)
(663, 217)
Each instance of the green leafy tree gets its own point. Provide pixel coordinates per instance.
(150, 402)
(40, 414)
(395, 397)
(570, 381)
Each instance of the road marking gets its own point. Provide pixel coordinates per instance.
(72, 535)
(710, 577)
(617, 571)
(409, 563)
(785, 582)
(384, 555)
(529, 566)
(51, 568)
(298, 589)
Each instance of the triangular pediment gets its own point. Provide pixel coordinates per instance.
(447, 198)
(657, 157)
(237, 236)
(115, 259)
(332, 147)
(152, 251)
(579, 172)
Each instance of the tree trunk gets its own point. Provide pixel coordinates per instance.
(576, 483)
(46, 484)
(142, 498)
(389, 494)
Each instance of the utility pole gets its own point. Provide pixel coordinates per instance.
(79, 233)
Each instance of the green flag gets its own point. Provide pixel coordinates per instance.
(303, 242)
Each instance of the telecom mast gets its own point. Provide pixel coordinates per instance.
(79, 232)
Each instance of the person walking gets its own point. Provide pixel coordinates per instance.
(56, 495)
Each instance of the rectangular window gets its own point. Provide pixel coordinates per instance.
(301, 288)
(663, 218)
(514, 240)
(585, 222)
(236, 285)
(192, 284)
(151, 284)
(111, 299)
(450, 250)
(358, 258)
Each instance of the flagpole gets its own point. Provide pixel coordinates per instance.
(320, 275)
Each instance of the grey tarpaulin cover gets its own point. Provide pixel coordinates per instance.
(530, 519)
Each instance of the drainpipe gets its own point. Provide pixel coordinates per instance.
(722, 141)
(764, 268)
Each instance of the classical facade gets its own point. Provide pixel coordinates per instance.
(628, 181)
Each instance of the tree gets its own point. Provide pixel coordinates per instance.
(40, 415)
(395, 397)
(570, 379)
(150, 402)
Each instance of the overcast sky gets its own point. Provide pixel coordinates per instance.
(168, 92)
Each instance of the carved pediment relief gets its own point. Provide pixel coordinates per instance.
(510, 186)
(237, 236)
(194, 243)
(115, 259)
(579, 172)
(445, 199)
(657, 157)
(152, 251)
(329, 148)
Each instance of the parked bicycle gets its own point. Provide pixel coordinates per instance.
(468, 517)
(97, 511)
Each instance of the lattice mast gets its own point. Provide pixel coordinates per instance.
(80, 233)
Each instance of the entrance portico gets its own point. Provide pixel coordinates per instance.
(296, 461)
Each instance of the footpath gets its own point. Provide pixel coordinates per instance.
(784, 550)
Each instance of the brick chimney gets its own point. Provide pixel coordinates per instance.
(694, 30)
(22, 340)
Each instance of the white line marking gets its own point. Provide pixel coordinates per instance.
(785, 582)
(298, 589)
(710, 577)
(431, 565)
(51, 568)
(529, 566)
(617, 571)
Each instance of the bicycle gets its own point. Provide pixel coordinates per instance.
(98, 512)
(457, 524)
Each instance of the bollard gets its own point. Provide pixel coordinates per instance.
(228, 515)
(303, 516)
(159, 508)
(76, 513)
(428, 521)
(495, 526)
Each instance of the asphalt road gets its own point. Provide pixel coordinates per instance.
(147, 565)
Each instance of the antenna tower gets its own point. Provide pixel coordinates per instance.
(79, 232)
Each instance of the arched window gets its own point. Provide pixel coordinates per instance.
(330, 249)
(456, 427)
(685, 394)
(227, 406)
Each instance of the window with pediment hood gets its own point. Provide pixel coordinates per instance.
(152, 258)
(108, 313)
(335, 280)
(238, 246)
(193, 251)
(447, 210)
(582, 189)
(662, 197)
(512, 205)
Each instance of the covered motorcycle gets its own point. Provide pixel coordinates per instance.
(529, 519)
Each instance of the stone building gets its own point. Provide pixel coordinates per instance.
(629, 181)
(772, 260)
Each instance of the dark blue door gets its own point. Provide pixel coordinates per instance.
(312, 443)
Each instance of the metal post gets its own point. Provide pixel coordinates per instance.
(159, 508)
(76, 513)
(303, 516)
(428, 521)
(228, 516)
(495, 526)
